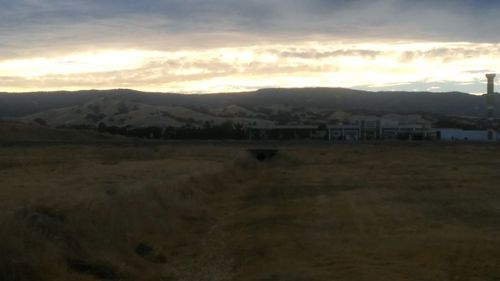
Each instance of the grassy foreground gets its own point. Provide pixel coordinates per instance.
(206, 212)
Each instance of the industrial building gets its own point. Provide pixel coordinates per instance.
(380, 128)
(487, 135)
(465, 135)
(283, 132)
(385, 127)
(490, 98)
(344, 132)
(350, 132)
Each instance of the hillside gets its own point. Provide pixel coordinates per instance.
(112, 111)
(333, 99)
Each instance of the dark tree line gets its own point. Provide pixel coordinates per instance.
(208, 131)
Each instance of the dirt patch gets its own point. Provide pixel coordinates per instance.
(47, 220)
(97, 269)
(11, 270)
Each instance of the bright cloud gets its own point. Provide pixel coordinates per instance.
(444, 66)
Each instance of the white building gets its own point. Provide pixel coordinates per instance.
(390, 126)
(344, 132)
(466, 135)
(284, 132)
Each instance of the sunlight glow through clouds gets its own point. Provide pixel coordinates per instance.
(104, 61)
(308, 64)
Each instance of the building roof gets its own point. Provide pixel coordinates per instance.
(343, 127)
(283, 127)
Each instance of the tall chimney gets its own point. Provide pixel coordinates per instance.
(490, 96)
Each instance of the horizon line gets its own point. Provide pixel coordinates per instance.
(236, 92)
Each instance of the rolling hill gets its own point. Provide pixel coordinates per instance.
(112, 111)
(333, 99)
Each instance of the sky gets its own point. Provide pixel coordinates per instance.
(207, 46)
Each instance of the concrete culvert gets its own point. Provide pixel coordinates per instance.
(144, 250)
(263, 154)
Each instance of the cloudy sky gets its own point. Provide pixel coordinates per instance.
(203, 46)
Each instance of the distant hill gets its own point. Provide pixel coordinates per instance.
(333, 99)
(112, 111)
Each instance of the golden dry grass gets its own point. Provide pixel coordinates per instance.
(210, 212)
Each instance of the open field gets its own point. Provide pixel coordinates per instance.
(212, 212)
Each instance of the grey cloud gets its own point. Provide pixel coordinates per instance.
(313, 54)
(452, 53)
(446, 86)
(480, 71)
(41, 26)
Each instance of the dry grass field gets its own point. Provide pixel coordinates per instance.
(212, 212)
